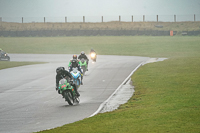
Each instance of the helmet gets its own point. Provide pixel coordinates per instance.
(82, 52)
(74, 56)
(60, 69)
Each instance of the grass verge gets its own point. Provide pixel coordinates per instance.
(166, 97)
(8, 64)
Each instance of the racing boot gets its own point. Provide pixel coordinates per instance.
(77, 93)
(87, 67)
(81, 79)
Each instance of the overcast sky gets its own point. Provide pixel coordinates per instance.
(62, 8)
(59, 8)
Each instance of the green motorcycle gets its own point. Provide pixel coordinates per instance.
(67, 91)
(83, 65)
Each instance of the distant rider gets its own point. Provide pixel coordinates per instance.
(73, 58)
(92, 50)
(74, 63)
(62, 73)
(83, 55)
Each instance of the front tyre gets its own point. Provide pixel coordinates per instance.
(69, 97)
(8, 58)
(83, 70)
(76, 100)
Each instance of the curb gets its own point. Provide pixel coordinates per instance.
(124, 82)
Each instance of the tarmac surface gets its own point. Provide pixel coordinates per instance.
(30, 103)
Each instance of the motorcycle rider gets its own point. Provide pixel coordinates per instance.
(74, 63)
(73, 58)
(62, 73)
(83, 55)
(92, 50)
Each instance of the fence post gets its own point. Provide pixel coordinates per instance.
(22, 20)
(174, 18)
(119, 18)
(0, 19)
(102, 19)
(44, 19)
(83, 19)
(194, 18)
(132, 18)
(65, 19)
(143, 18)
(157, 18)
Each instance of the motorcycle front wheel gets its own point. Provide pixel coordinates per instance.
(83, 70)
(69, 97)
(8, 58)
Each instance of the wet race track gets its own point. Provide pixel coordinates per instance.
(30, 103)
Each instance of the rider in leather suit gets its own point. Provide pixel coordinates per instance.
(62, 73)
(82, 55)
(75, 63)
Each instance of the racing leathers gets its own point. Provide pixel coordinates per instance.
(75, 64)
(84, 57)
(65, 74)
(92, 50)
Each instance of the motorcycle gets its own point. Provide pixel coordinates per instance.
(83, 65)
(76, 77)
(93, 56)
(4, 56)
(68, 92)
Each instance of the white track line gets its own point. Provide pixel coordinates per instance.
(105, 102)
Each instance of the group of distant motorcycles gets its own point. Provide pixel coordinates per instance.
(66, 86)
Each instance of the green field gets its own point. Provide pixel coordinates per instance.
(120, 45)
(166, 97)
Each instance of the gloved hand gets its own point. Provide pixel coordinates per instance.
(81, 74)
(71, 81)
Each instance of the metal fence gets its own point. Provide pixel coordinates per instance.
(96, 19)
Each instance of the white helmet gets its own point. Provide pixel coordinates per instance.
(82, 52)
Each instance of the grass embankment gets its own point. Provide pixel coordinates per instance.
(8, 64)
(175, 26)
(166, 97)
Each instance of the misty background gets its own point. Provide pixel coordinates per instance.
(93, 10)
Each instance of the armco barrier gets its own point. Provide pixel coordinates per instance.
(49, 33)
